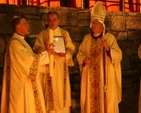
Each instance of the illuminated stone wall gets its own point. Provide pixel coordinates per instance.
(125, 26)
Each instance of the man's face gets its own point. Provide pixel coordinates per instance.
(97, 27)
(23, 27)
(53, 21)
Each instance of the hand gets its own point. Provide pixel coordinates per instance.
(105, 45)
(46, 43)
(50, 51)
(49, 47)
(86, 61)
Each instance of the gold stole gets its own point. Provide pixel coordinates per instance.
(95, 57)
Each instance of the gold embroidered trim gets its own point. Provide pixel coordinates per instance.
(49, 93)
(95, 75)
(33, 73)
(50, 99)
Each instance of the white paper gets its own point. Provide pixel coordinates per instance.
(59, 45)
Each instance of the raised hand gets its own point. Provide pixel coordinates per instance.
(104, 44)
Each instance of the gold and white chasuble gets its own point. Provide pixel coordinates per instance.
(21, 88)
(92, 75)
(56, 88)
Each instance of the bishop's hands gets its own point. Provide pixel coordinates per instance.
(86, 61)
(105, 44)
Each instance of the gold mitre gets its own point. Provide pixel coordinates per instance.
(98, 12)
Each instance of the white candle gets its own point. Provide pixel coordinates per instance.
(51, 56)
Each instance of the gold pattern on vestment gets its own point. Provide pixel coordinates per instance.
(33, 73)
(50, 99)
(95, 75)
(49, 93)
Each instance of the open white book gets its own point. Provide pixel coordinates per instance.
(59, 45)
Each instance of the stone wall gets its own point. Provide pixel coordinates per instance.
(125, 26)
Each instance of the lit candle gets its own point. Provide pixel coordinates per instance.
(51, 56)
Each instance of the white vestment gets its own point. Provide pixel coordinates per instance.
(21, 87)
(57, 88)
(104, 71)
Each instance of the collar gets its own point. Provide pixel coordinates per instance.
(55, 28)
(16, 34)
